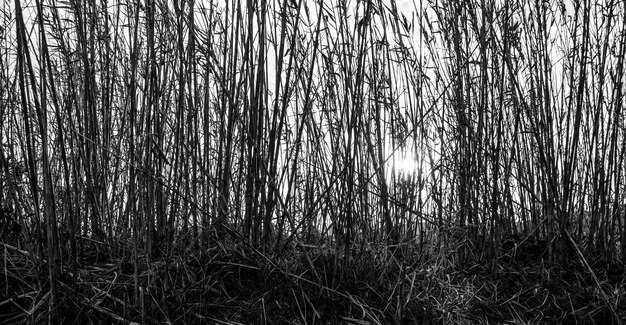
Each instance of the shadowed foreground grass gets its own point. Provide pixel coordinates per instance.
(231, 283)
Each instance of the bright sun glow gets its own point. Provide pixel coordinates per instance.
(405, 165)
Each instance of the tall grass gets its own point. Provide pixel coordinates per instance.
(155, 128)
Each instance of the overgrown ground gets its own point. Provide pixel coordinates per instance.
(232, 283)
(448, 162)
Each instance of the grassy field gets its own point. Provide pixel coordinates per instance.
(312, 162)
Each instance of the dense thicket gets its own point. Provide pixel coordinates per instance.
(145, 132)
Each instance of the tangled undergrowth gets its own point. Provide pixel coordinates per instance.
(232, 283)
